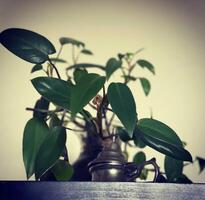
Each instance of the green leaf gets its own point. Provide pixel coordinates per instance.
(146, 64)
(182, 179)
(173, 168)
(201, 162)
(34, 134)
(144, 174)
(58, 60)
(139, 157)
(79, 73)
(124, 136)
(129, 78)
(87, 87)
(54, 121)
(87, 52)
(112, 65)
(54, 90)
(36, 67)
(62, 170)
(66, 40)
(85, 65)
(28, 45)
(137, 139)
(50, 150)
(145, 85)
(123, 105)
(163, 139)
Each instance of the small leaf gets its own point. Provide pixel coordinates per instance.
(146, 64)
(50, 150)
(54, 90)
(173, 168)
(87, 87)
(145, 85)
(36, 67)
(163, 139)
(139, 157)
(34, 134)
(41, 104)
(87, 52)
(58, 60)
(144, 174)
(85, 65)
(111, 66)
(124, 136)
(62, 170)
(123, 105)
(28, 45)
(66, 40)
(79, 73)
(201, 162)
(54, 121)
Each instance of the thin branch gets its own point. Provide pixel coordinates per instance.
(54, 67)
(43, 110)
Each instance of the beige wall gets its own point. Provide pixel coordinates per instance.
(172, 33)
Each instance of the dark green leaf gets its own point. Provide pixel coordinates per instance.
(62, 170)
(87, 87)
(182, 179)
(58, 60)
(53, 89)
(137, 139)
(201, 162)
(50, 150)
(163, 139)
(54, 121)
(145, 85)
(87, 52)
(124, 136)
(34, 134)
(173, 168)
(112, 65)
(146, 64)
(123, 105)
(79, 73)
(27, 45)
(36, 67)
(139, 157)
(144, 174)
(66, 40)
(85, 65)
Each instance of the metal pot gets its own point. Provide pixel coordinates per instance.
(110, 165)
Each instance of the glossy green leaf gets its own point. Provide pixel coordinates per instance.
(34, 134)
(123, 105)
(85, 65)
(137, 139)
(66, 40)
(201, 162)
(79, 73)
(28, 45)
(146, 64)
(41, 104)
(36, 67)
(58, 60)
(173, 168)
(54, 90)
(112, 65)
(139, 157)
(163, 139)
(145, 85)
(123, 134)
(50, 150)
(87, 87)
(87, 52)
(62, 170)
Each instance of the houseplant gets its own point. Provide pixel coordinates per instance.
(44, 150)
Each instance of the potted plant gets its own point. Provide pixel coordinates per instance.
(44, 141)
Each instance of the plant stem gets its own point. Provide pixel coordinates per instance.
(56, 70)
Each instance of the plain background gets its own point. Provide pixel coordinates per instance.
(173, 34)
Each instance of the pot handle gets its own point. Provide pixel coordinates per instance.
(133, 170)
